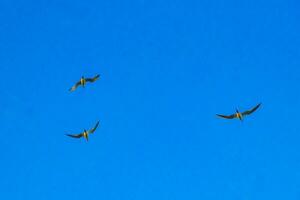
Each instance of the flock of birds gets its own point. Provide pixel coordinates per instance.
(82, 82)
(85, 134)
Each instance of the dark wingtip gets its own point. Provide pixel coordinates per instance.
(258, 105)
(97, 124)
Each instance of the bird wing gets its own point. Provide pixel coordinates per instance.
(93, 79)
(75, 135)
(75, 86)
(95, 127)
(248, 112)
(227, 116)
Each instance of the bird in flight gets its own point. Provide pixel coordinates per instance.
(83, 81)
(85, 133)
(240, 115)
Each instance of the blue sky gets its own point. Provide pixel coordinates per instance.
(167, 68)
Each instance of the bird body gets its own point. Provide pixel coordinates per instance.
(82, 81)
(240, 115)
(86, 135)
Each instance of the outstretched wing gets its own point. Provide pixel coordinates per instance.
(227, 116)
(75, 86)
(93, 129)
(93, 79)
(248, 112)
(75, 135)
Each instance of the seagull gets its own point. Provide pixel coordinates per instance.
(85, 133)
(240, 115)
(83, 81)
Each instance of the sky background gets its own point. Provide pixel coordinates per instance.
(167, 68)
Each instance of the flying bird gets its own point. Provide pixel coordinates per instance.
(240, 115)
(83, 81)
(85, 133)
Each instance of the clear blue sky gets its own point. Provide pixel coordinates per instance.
(167, 68)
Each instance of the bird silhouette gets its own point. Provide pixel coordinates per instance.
(85, 133)
(83, 81)
(240, 115)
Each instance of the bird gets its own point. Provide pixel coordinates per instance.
(85, 133)
(240, 115)
(83, 81)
